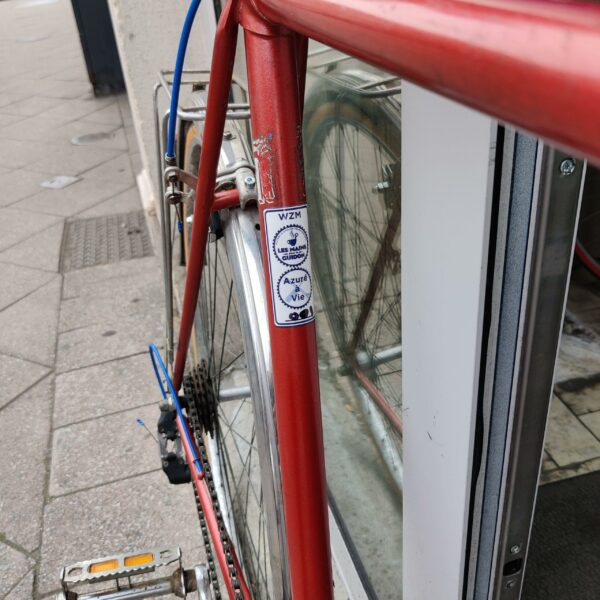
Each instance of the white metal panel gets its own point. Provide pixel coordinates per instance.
(446, 177)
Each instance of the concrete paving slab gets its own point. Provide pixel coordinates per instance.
(104, 389)
(581, 399)
(13, 567)
(77, 108)
(110, 115)
(567, 441)
(73, 199)
(95, 279)
(67, 159)
(100, 343)
(30, 106)
(53, 89)
(19, 154)
(547, 463)
(592, 422)
(18, 225)
(29, 327)
(575, 470)
(24, 590)
(17, 375)
(116, 169)
(577, 359)
(25, 441)
(127, 515)
(16, 185)
(103, 136)
(8, 98)
(119, 299)
(7, 121)
(22, 280)
(102, 450)
(73, 72)
(40, 251)
(32, 129)
(126, 201)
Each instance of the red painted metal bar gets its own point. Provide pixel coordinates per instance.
(216, 109)
(273, 87)
(393, 418)
(226, 199)
(209, 514)
(533, 64)
(222, 199)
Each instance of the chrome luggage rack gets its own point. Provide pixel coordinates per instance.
(323, 62)
(196, 80)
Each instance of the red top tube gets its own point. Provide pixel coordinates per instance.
(533, 64)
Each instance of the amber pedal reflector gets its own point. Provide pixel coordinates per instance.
(106, 565)
(139, 559)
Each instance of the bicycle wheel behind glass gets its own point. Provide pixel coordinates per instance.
(231, 345)
(352, 150)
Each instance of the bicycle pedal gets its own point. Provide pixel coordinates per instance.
(127, 575)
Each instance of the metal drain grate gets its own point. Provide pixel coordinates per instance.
(104, 240)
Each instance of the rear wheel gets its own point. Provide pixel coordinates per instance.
(231, 343)
(352, 145)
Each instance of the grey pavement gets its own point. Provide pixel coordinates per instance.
(573, 431)
(80, 478)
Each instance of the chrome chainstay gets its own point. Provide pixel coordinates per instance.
(192, 390)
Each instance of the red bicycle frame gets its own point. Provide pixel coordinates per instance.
(532, 64)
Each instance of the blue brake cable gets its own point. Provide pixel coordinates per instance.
(183, 42)
(161, 369)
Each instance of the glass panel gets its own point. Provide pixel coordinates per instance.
(352, 167)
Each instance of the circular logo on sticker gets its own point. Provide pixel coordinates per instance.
(290, 245)
(294, 288)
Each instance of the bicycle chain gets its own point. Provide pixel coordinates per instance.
(198, 391)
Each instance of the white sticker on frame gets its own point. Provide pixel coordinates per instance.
(289, 265)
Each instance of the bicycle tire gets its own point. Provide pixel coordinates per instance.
(335, 110)
(232, 337)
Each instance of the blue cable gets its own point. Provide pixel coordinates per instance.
(158, 364)
(183, 42)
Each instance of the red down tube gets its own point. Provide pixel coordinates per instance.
(273, 75)
(534, 64)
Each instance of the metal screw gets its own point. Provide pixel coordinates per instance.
(567, 167)
(511, 584)
(228, 135)
(250, 181)
(515, 549)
